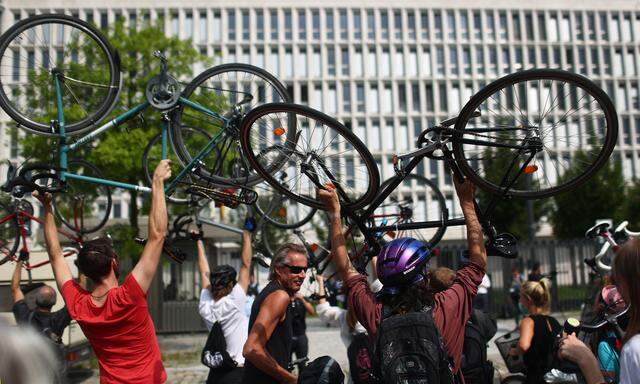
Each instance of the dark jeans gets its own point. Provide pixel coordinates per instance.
(234, 376)
(300, 347)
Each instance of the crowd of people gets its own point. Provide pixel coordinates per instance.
(408, 323)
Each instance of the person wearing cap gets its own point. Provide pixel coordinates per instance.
(402, 268)
(222, 299)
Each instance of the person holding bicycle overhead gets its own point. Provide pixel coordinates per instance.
(626, 271)
(114, 317)
(405, 308)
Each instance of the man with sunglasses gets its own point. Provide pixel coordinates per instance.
(267, 351)
(115, 317)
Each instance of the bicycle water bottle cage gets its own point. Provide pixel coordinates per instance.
(597, 230)
(503, 245)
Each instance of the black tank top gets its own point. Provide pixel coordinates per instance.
(539, 357)
(278, 346)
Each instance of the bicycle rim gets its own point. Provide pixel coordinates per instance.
(323, 147)
(83, 207)
(550, 112)
(416, 199)
(219, 89)
(33, 49)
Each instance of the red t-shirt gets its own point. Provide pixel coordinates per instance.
(451, 308)
(121, 332)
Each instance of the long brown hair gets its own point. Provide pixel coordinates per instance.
(626, 268)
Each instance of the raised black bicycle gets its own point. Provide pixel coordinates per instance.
(530, 123)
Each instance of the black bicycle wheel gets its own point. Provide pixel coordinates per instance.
(153, 154)
(416, 199)
(83, 207)
(231, 90)
(533, 122)
(324, 150)
(34, 50)
(9, 233)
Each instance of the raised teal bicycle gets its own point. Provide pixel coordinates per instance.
(46, 88)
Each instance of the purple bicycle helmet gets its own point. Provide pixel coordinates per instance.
(401, 263)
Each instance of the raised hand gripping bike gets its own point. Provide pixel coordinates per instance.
(61, 77)
(527, 125)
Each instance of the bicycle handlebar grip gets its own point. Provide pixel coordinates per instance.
(571, 325)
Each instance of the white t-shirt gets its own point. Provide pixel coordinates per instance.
(229, 311)
(484, 286)
(630, 361)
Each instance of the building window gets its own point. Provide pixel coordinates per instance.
(415, 97)
(374, 137)
(357, 24)
(504, 34)
(594, 61)
(579, 26)
(505, 60)
(274, 62)
(604, 27)
(542, 27)
(440, 61)
(344, 30)
(301, 63)
(346, 97)
(388, 139)
(203, 32)
(453, 60)
(372, 61)
(493, 62)
(424, 24)
(398, 65)
(428, 94)
(330, 25)
(357, 63)
(273, 18)
(591, 26)
(477, 25)
(615, 28)
(442, 93)
(231, 21)
(331, 61)
(117, 210)
(466, 60)
(565, 28)
(373, 105)
(387, 99)
(412, 64)
(464, 25)
(618, 69)
(491, 25)
(315, 23)
(402, 97)
(360, 97)
(316, 67)
(14, 143)
(302, 24)
(630, 62)
(384, 21)
(216, 27)
(288, 25)
(332, 100)
(344, 53)
(451, 25)
(479, 60)
(371, 25)
(385, 59)
(397, 24)
(437, 21)
(426, 62)
(411, 24)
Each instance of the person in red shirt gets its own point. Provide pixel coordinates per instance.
(115, 318)
(450, 308)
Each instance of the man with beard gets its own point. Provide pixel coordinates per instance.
(115, 317)
(267, 351)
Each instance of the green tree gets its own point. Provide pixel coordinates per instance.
(118, 152)
(631, 205)
(598, 198)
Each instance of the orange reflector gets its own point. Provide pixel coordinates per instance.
(72, 356)
(282, 212)
(314, 247)
(279, 131)
(529, 169)
(391, 234)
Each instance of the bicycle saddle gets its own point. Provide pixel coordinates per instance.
(503, 245)
(597, 230)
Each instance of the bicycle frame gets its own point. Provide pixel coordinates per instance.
(65, 148)
(23, 218)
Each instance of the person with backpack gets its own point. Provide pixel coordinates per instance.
(418, 336)
(352, 333)
(538, 331)
(479, 330)
(222, 307)
(50, 324)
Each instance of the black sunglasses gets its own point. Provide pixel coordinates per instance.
(296, 270)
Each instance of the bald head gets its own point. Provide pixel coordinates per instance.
(45, 297)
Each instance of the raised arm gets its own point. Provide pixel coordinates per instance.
(307, 305)
(60, 268)
(246, 253)
(146, 267)
(16, 292)
(475, 242)
(338, 244)
(272, 311)
(203, 265)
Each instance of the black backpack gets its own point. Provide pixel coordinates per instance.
(474, 365)
(215, 355)
(45, 329)
(409, 350)
(360, 359)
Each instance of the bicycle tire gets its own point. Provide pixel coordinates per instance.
(268, 172)
(177, 119)
(112, 58)
(10, 232)
(148, 168)
(70, 186)
(296, 224)
(572, 79)
(435, 193)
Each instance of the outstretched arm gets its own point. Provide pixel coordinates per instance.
(203, 265)
(475, 242)
(146, 268)
(246, 253)
(338, 244)
(272, 310)
(16, 292)
(60, 268)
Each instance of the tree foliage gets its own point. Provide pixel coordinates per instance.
(599, 198)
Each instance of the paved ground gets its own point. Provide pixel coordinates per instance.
(181, 353)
